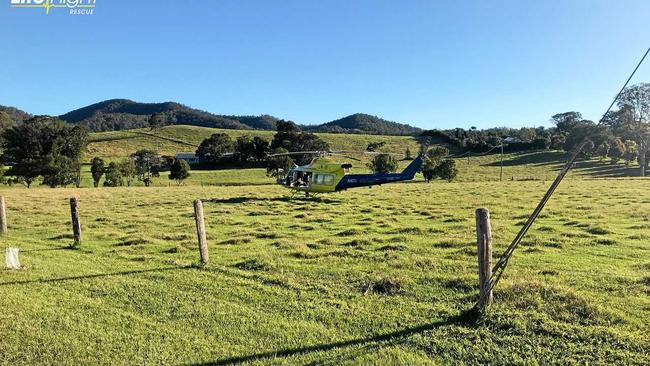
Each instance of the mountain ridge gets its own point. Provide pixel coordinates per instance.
(122, 114)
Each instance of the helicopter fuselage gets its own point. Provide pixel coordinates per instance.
(324, 176)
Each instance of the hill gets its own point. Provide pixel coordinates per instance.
(15, 114)
(122, 114)
(170, 140)
(367, 124)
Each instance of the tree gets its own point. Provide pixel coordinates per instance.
(244, 149)
(260, 148)
(636, 100)
(27, 172)
(631, 152)
(147, 165)
(179, 171)
(616, 149)
(97, 169)
(215, 147)
(384, 163)
(156, 121)
(251, 149)
(566, 121)
(113, 175)
(602, 150)
(278, 165)
(374, 146)
(127, 170)
(44, 146)
(558, 141)
(407, 154)
(596, 135)
(432, 160)
(6, 121)
(60, 170)
(290, 138)
(447, 170)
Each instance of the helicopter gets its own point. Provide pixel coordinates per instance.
(324, 175)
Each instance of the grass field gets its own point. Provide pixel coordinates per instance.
(363, 277)
(368, 276)
(170, 140)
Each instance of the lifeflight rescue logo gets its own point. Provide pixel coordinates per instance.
(75, 7)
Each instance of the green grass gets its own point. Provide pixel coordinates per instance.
(374, 276)
(369, 276)
(170, 140)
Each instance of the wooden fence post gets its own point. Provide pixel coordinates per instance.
(76, 224)
(200, 231)
(484, 246)
(3, 216)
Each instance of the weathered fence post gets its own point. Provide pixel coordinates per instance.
(76, 224)
(484, 246)
(3, 216)
(200, 231)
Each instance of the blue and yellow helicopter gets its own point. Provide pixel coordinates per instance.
(323, 175)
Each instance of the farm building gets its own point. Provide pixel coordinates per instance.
(189, 157)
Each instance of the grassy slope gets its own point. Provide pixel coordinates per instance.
(288, 280)
(172, 139)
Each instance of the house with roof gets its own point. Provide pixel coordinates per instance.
(191, 158)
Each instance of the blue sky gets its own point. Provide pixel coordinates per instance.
(433, 64)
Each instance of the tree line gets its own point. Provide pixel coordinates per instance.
(623, 135)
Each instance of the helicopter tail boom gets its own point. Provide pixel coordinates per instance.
(365, 180)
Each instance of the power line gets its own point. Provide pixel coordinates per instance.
(499, 267)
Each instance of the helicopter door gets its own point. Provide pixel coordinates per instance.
(306, 179)
(301, 179)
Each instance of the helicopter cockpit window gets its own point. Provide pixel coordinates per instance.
(328, 179)
(318, 178)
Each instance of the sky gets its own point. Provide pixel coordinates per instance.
(432, 64)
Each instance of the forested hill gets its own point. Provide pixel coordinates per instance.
(14, 114)
(123, 114)
(366, 124)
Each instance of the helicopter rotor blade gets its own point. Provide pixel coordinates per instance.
(366, 152)
(299, 153)
(351, 158)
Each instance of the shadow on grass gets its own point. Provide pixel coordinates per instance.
(99, 275)
(67, 247)
(557, 159)
(113, 138)
(536, 158)
(240, 200)
(466, 318)
(170, 139)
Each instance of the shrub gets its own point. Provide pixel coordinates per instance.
(97, 169)
(113, 176)
(447, 170)
(179, 171)
(384, 163)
